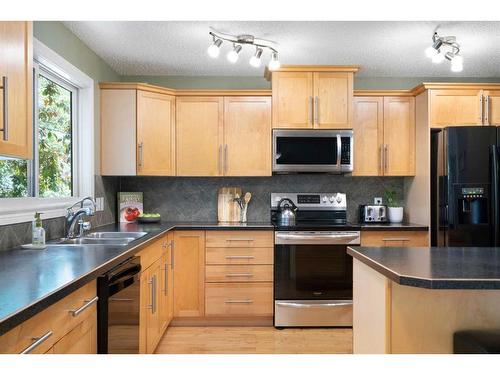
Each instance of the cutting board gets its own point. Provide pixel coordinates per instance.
(227, 209)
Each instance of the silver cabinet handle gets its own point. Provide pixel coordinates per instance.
(152, 306)
(226, 162)
(386, 158)
(5, 115)
(316, 110)
(120, 299)
(172, 253)
(140, 161)
(165, 291)
(481, 110)
(245, 301)
(220, 160)
(311, 111)
(240, 257)
(487, 114)
(37, 341)
(395, 239)
(84, 307)
(240, 239)
(239, 275)
(382, 167)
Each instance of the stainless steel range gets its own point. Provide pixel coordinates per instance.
(312, 270)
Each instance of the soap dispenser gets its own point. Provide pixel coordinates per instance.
(38, 233)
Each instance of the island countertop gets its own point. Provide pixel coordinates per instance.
(434, 267)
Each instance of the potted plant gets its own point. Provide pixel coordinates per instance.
(394, 210)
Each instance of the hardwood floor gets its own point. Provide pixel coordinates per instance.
(254, 340)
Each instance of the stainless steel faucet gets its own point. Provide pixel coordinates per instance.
(74, 218)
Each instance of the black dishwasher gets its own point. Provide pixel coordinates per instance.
(118, 309)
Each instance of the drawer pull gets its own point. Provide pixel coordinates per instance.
(396, 239)
(239, 275)
(236, 301)
(84, 307)
(37, 341)
(120, 300)
(240, 257)
(240, 239)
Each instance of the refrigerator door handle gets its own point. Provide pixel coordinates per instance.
(494, 195)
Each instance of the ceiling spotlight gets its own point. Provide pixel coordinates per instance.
(430, 52)
(457, 63)
(232, 55)
(274, 64)
(214, 49)
(255, 60)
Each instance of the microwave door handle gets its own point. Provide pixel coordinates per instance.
(339, 150)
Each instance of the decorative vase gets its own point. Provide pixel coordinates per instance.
(395, 214)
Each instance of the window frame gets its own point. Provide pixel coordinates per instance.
(16, 210)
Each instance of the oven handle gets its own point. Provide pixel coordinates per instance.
(311, 305)
(319, 237)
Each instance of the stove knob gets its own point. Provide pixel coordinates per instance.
(339, 199)
(332, 198)
(325, 199)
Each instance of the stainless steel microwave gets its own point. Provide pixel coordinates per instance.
(328, 151)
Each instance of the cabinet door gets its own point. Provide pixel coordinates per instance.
(292, 100)
(80, 340)
(155, 134)
(16, 89)
(153, 324)
(456, 107)
(247, 136)
(368, 127)
(189, 273)
(394, 238)
(199, 136)
(333, 100)
(492, 107)
(399, 136)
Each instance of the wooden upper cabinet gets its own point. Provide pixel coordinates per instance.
(368, 127)
(155, 134)
(292, 99)
(456, 107)
(247, 136)
(199, 136)
(333, 95)
(492, 107)
(16, 89)
(188, 257)
(399, 136)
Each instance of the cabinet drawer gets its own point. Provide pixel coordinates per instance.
(239, 238)
(239, 273)
(395, 238)
(239, 299)
(258, 255)
(153, 252)
(52, 323)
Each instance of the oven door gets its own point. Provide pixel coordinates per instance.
(312, 151)
(313, 278)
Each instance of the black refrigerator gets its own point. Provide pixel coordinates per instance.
(465, 186)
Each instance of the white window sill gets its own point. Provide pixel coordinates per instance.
(20, 210)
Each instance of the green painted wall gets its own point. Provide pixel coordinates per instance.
(203, 82)
(62, 41)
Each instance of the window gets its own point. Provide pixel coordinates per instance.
(50, 173)
(62, 169)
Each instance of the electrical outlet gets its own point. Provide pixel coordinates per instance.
(99, 202)
(377, 201)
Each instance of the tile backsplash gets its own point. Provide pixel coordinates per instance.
(195, 198)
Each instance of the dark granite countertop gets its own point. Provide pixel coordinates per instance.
(435, 267)
(31, 280)
(393, 226)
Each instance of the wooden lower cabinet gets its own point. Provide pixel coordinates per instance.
(188, 259)
(394, 238)
(58, 327)
(166, 285)
(239, 299)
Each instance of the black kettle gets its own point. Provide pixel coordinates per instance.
(286, 213)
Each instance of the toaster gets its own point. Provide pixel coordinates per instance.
(372, 213)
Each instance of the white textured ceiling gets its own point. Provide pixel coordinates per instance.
(383, 49)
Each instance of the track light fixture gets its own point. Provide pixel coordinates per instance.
(238, 41)
(445, 48)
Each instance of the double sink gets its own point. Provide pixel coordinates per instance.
(103, 239)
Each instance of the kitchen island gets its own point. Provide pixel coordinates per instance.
(412, 300)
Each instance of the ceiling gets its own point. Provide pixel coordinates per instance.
(382, 49)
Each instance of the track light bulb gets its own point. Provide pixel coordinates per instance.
(274, 64)
(255, 60)
(214, 49)
(232, 55)
(430, 52)
(457, 63)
